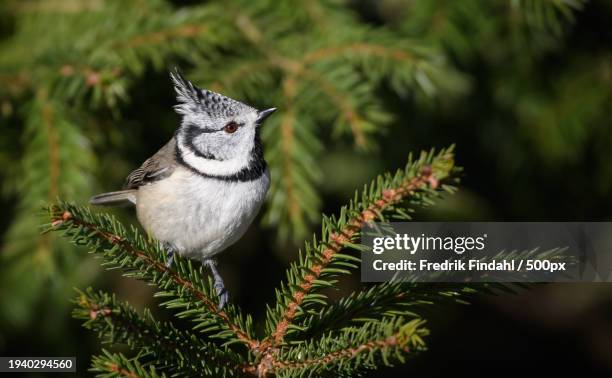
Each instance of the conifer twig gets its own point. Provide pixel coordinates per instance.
(338, 348)
(47, 117)
(351, 352)
(59, 217)
(117, 365)
(339, 239)
(162, 36)
(117, 322)
(348, 111)
(360, 48)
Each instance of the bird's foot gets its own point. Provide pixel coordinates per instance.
(169, 256)
(222, 294)
(218, 284)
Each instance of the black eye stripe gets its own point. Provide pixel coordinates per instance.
(192, 131)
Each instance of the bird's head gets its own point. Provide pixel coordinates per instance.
(219, 131)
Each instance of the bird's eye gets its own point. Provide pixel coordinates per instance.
(231, 127)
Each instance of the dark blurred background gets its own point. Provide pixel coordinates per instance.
(523, 88)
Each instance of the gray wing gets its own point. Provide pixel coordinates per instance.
(157, 167)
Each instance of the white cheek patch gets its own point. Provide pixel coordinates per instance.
(213, 167)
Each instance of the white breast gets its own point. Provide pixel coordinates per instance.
(199, 216)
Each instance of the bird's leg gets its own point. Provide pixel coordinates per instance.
(169, 254)
(219, 285)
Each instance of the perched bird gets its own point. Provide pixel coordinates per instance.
(200, 192)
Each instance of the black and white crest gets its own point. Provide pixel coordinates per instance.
(192, 99)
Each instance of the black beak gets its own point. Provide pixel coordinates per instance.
(262, 115)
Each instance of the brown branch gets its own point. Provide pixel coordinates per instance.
(18, 82)
(287, 141)
(48, 118)
(91, 76)
(158, 266)
(339, 239)
(96, 310)
(183, 31)
(115, 368)
(43, 251)
(390, 341)
(361, 48)
(15, 82)
(55, 6)
(287, 125)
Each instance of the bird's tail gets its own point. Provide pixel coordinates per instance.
(119, 198)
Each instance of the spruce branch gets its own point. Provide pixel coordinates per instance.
(350, 113)
(364, 49)
(99, 66)
(145, 260)
(163, 36)
(117, 365)
(52, 6)
(353, 350)
(379, 301)
(176, 350)
(418, 182)
(546, 16)
(293, 196)
(56, 160)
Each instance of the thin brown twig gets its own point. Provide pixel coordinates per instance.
(362, 48)
(15, 82)
(182, 31)
(115, 368)
(61, 6)
(95, 310)
(390, 341)
(48, 118)
(287, 141)
(93, 76)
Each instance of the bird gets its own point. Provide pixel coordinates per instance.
(201, 191)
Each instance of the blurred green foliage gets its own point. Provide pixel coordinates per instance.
(520, 85)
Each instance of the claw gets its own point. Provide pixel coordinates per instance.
(218, 284)
(170, 256)
(222, 294)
